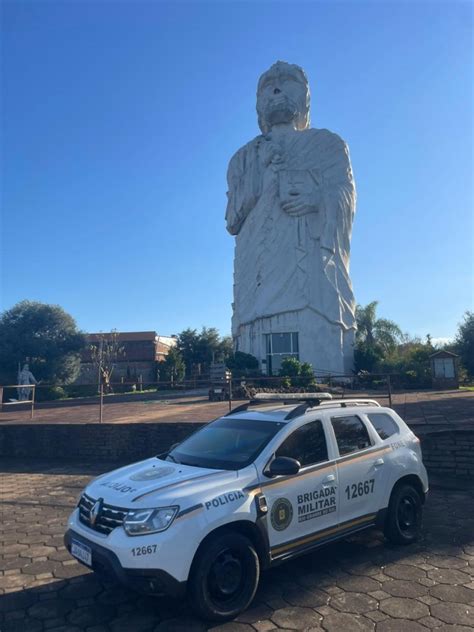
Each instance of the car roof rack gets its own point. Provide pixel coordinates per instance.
(308, 400)
(291, 397)
(352, 401)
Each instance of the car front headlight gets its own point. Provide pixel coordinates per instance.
(144, 521)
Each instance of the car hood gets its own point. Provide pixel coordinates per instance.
(154, 482)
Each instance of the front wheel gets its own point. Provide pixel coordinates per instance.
(224, 577)
(403, 524)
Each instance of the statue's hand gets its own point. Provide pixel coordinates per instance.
(271, 153)
(300, 204)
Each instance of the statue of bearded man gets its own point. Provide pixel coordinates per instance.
(291, 203)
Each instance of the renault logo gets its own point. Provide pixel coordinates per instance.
(95, 511)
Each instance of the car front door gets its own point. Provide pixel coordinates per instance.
(360, 471)
(299, 506)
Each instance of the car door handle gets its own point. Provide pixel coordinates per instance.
(379, 462)
(329, 479)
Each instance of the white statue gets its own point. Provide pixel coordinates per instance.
(291, 203)
(25, 377)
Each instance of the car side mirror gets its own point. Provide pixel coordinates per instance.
(283, 466)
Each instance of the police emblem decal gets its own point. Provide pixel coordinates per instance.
(282, 514)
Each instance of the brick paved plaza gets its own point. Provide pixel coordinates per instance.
(359, 584)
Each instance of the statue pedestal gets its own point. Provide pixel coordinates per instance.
(304, 334)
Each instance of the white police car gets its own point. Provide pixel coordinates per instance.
(269, 481)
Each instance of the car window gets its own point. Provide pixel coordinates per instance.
(307, 444)
(351, 434)
(383, 424)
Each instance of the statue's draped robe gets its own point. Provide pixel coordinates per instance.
(285, 263)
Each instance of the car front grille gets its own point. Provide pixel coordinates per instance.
(108, 519)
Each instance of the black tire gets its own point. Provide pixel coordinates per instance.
(404, 518)
(224, 577)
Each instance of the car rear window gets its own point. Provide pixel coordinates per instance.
(383, 424)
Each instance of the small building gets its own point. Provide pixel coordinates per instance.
(444, 370)
(138, 360)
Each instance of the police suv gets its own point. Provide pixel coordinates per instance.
(267, 482)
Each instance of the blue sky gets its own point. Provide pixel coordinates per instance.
(119, 119)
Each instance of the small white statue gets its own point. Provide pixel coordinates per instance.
(25, 377)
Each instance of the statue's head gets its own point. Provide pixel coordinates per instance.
(283, 97)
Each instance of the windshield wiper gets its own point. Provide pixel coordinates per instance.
(170, 456)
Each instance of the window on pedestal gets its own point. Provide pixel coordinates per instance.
(279, 347)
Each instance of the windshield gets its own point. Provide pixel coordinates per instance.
(226, 444)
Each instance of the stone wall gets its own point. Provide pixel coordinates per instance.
(449, 452)
(108, 442)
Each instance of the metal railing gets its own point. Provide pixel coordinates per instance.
(15, 402)
(228, 389)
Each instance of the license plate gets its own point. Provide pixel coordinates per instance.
(82, 552)
(217, 390)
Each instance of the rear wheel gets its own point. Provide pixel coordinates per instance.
(403, 524)
(224, 577)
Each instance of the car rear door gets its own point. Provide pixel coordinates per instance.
(395, 438)
(306, 503)
(360, 467)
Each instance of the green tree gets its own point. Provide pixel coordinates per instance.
(172, 369)
(410, 362)
(208, 349)
(242, 364)
(105, 353)
(376, 331)
(226, 348)
(186, 343)
(43, 335)
(198, 350)
(464, 342)
(367, 357)
(376, 337)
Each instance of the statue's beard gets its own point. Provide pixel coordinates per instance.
(280, 110)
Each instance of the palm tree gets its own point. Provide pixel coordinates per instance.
(375, 331)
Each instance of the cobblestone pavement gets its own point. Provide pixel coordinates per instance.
(360, 584)
(420, 409)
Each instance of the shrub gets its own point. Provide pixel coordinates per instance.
(49, 393)
(297, 373)
(81, 390)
